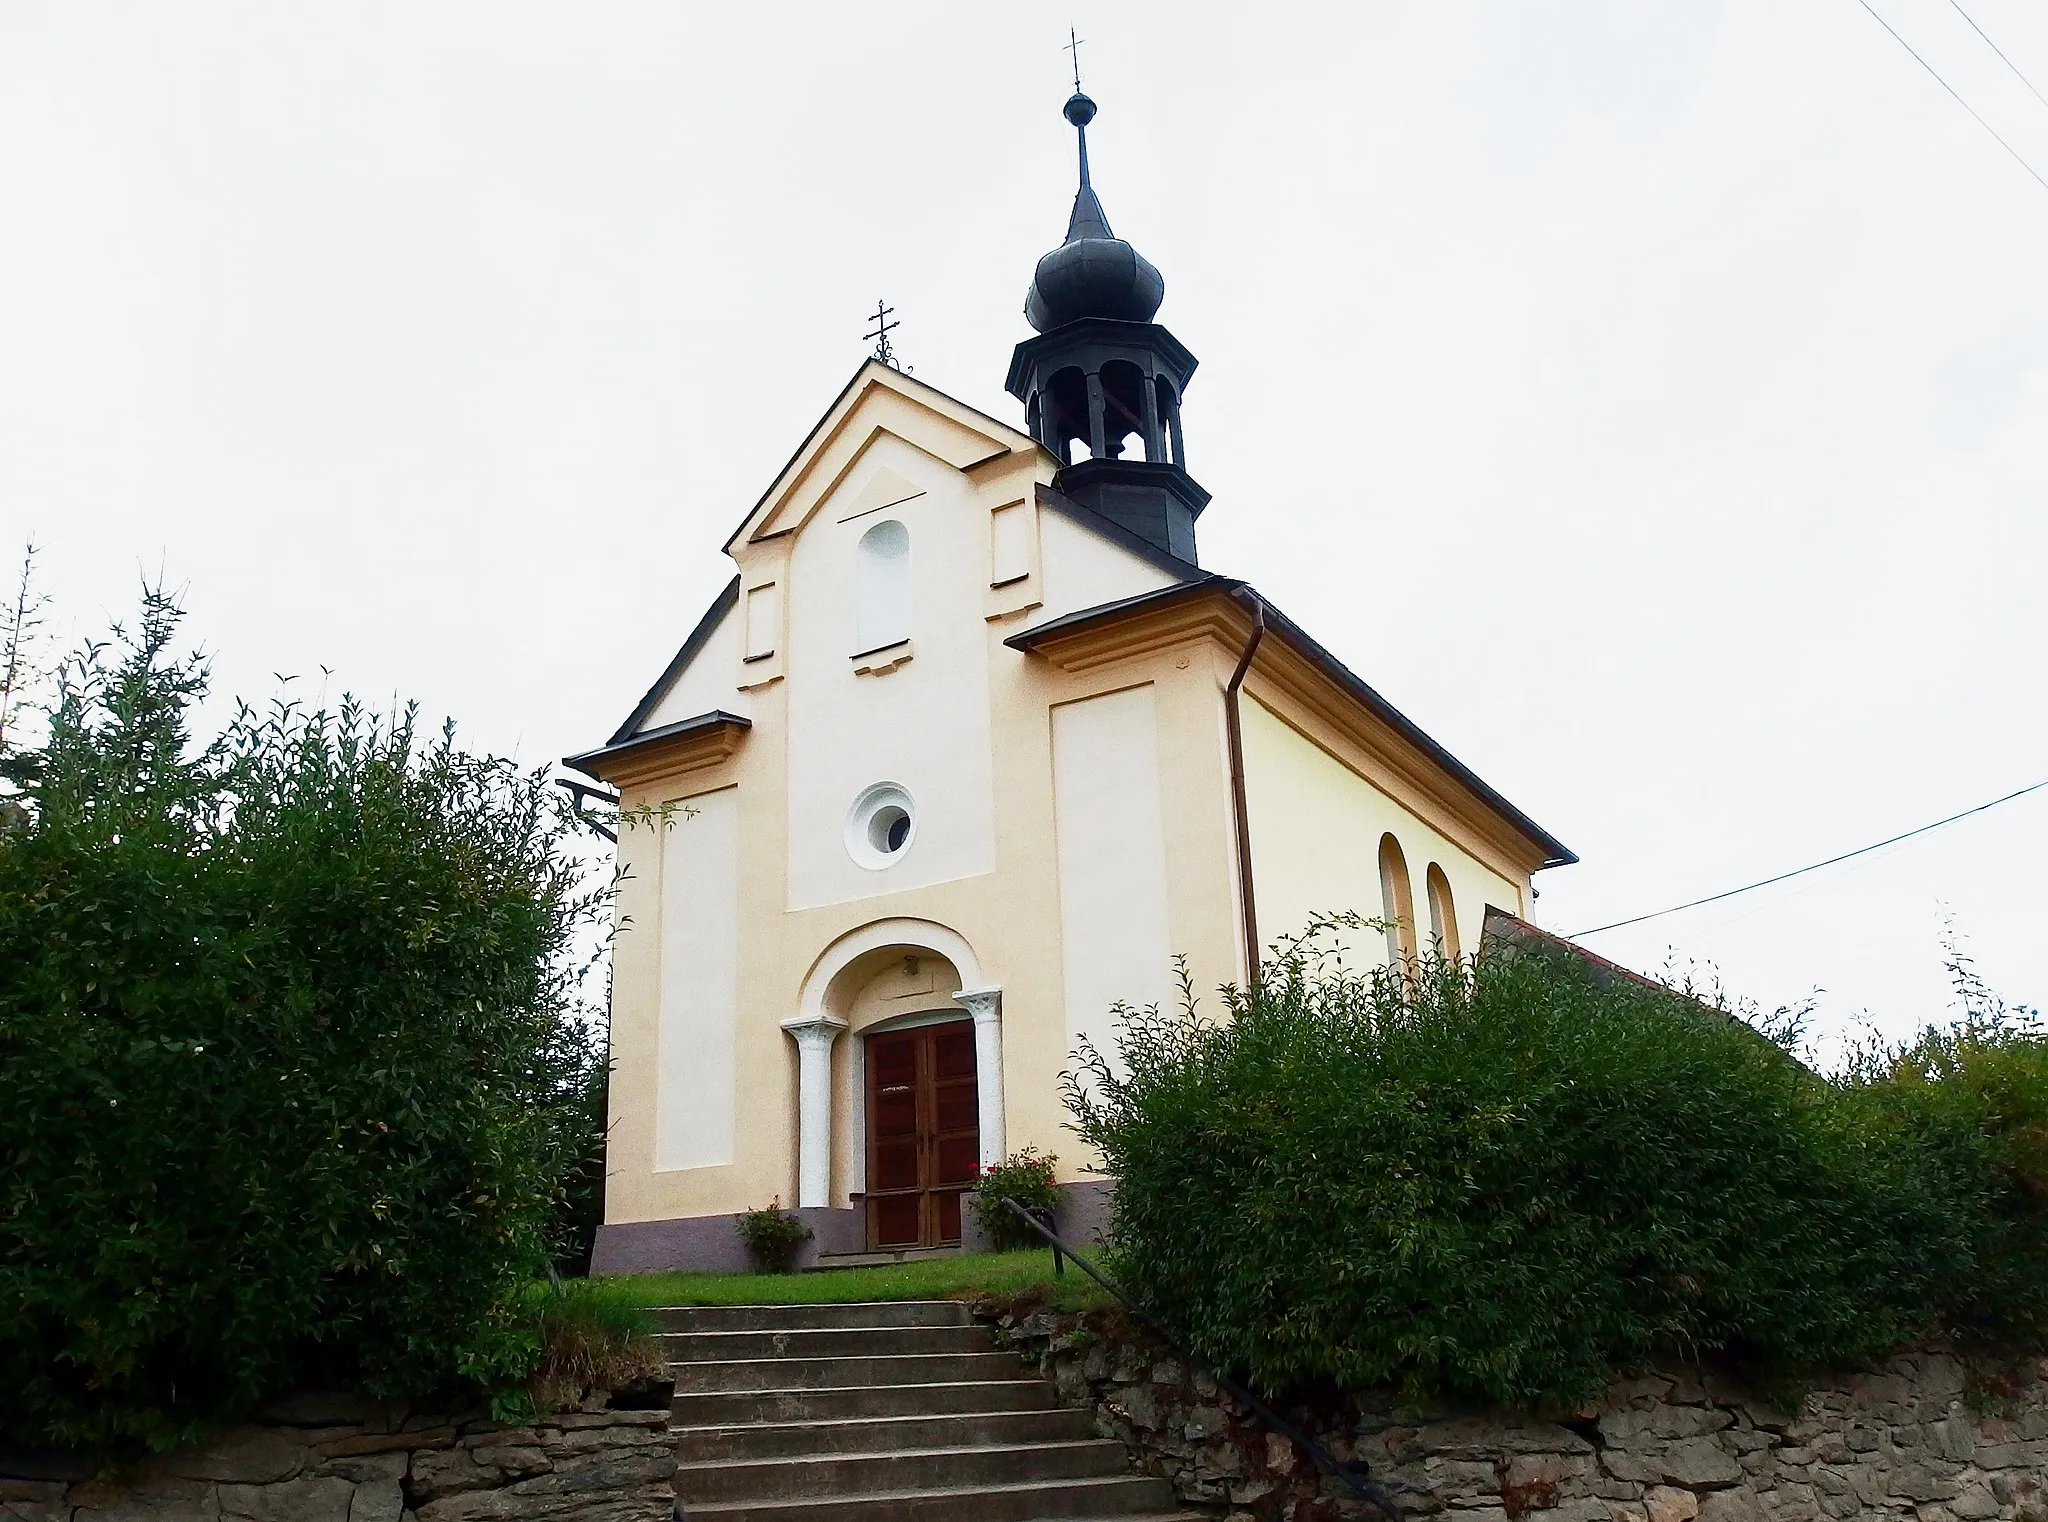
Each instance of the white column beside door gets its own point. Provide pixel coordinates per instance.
(814, 1038)
(986, 1006)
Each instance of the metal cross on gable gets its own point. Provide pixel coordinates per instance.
(1073, 48)
(885, 351)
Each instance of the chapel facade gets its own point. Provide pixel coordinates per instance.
(967, 753)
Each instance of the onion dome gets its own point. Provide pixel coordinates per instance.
(1094, 273)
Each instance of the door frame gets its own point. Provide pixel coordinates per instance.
(862, 1140)
(857, 1107)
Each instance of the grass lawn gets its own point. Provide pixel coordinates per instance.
(960, 1278)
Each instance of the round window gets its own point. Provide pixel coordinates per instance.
(881, 825)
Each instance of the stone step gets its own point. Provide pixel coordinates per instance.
(791, 1318)
(730, 1408)
(837, 1373)
(882, 1259)
(1090, 1500)
(885, 1434)
(823, 1342)
(911, 1469)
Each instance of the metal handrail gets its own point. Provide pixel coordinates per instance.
(1351, 1473)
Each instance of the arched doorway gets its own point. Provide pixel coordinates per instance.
(912, 1108)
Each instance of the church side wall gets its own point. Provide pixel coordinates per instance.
(1316, 827)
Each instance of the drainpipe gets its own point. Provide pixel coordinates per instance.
(1235, 728)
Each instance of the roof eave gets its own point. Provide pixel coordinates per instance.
(704, 723)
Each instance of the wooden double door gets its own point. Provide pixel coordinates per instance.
(924, 1133)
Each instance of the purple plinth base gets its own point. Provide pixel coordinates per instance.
(711, 1243)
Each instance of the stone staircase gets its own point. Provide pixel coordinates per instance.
(886, 1412)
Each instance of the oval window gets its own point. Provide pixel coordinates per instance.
(881, 825)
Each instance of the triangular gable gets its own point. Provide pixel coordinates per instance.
(876, 401)
(884, 489)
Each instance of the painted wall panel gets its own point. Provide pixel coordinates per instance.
(699, 1022)
(1316, 827)
(923, 725)
(763, 606)
(1010, 542)
(1115, 940)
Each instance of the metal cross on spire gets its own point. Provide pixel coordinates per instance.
(884, 350)
(1073, 48)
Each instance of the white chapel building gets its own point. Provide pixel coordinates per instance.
(969, 750)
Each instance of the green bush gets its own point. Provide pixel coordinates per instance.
(772, 1236)
(1501, 1181)
(1026, 1178)
(1975, 1097)
(292, 1062)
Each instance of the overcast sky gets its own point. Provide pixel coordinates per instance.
(1649, 399)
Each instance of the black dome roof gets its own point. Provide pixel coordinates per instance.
(1094, 273)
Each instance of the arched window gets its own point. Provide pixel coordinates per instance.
(1443, 914)
(1397, 901)
(882, 587)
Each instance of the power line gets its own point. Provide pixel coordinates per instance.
(1715, 898)
(2008, 147)
(2043, 99)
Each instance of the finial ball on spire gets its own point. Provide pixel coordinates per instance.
(1094, 273)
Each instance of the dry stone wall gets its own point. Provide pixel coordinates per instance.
(1922, 1440)
(339, 1459)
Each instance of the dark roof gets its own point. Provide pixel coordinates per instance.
(1560, 855)
(1504, 930)
(1108, 612)
(1501, 927)
(1094, 273)
(721, 605)
(715, 719)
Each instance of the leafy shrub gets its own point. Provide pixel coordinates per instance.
(1027, 1179)
(1975, 1096)
(1501, 1181)
(772, 1236)
(290, 1057)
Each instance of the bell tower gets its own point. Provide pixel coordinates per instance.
(1101, 373)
